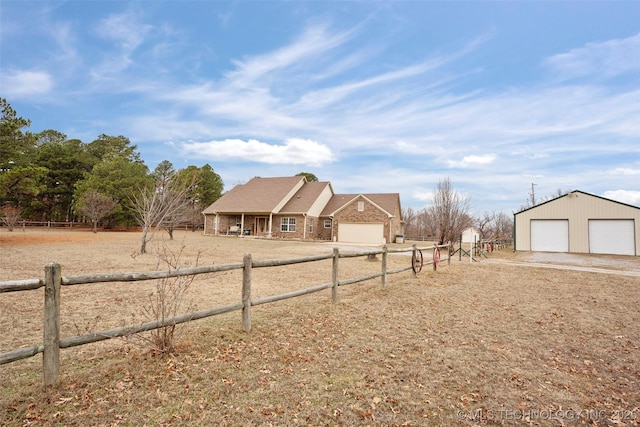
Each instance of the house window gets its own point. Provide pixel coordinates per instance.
(327, 223)
(310, 226)
(238, 221)
(288, 225)
(360, 206)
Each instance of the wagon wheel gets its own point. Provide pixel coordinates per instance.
(416, 261)
(436, 257)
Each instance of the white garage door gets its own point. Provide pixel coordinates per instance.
(550, 235)
(612, 236)
(361, 233)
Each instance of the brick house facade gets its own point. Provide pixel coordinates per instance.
(291, 207)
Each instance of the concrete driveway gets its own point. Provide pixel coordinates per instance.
(605, 264)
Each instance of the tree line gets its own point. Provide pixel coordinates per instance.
(47, 176)
(447, 216)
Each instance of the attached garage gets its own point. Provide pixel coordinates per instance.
(548, 235)
(361, 233)
(611, 236)
(579, 222)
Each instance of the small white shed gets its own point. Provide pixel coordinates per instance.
(470, 235)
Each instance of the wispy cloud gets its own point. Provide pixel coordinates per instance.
(25, 83)
(341, 95)
(598, 60)
(312, 43)
(124, 29)
(126, 32)
(625, 171)
(417, 108)
(294, 151)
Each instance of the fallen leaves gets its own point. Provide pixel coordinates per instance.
(404, 355)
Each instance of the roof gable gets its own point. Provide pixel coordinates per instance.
(305, 198)
(386, 202)
(259, 195)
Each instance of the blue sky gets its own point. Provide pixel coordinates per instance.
(388, 96)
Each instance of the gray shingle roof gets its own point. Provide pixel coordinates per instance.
(266, 195)
(304, 198)
(259, 195)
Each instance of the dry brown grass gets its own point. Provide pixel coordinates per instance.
(482, 343)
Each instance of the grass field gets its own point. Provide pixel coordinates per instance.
(488, 343)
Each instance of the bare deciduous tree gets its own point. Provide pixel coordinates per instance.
(10, 216)
(484, 224)
(96, 206)
(168, 300)
(495, 226)
(158, 205)
(448, 212)
(503, 226)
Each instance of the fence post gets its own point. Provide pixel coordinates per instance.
(449, 257)
(384, 266)
(334, 276)
(51, 334)
(246, 293)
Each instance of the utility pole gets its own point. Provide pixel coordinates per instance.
(533, 194)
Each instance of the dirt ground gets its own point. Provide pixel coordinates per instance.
(517, 338)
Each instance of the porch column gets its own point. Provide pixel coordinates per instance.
(242, 225)
(333, 237)
(270, 233)
(304, 230)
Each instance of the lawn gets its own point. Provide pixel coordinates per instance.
(483, 343)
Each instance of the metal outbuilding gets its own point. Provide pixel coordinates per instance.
(579, 222)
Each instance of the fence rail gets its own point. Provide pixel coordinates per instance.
(52, 343)
(29, 223)
(24, 223)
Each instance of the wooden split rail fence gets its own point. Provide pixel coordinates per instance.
(53, 280)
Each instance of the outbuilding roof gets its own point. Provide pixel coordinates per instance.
(574, 192)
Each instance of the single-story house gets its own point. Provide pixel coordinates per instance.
(291, 207)
(579, 222)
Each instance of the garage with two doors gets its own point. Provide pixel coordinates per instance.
(581, 223)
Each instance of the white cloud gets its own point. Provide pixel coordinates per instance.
(313, 43)
(474, 161)
(25, 83)
(325, 85)
(600, 60)
(293, 151)
(128, 34)
(413, 104)
(624, 171)
(624, 196)
(125, 29)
